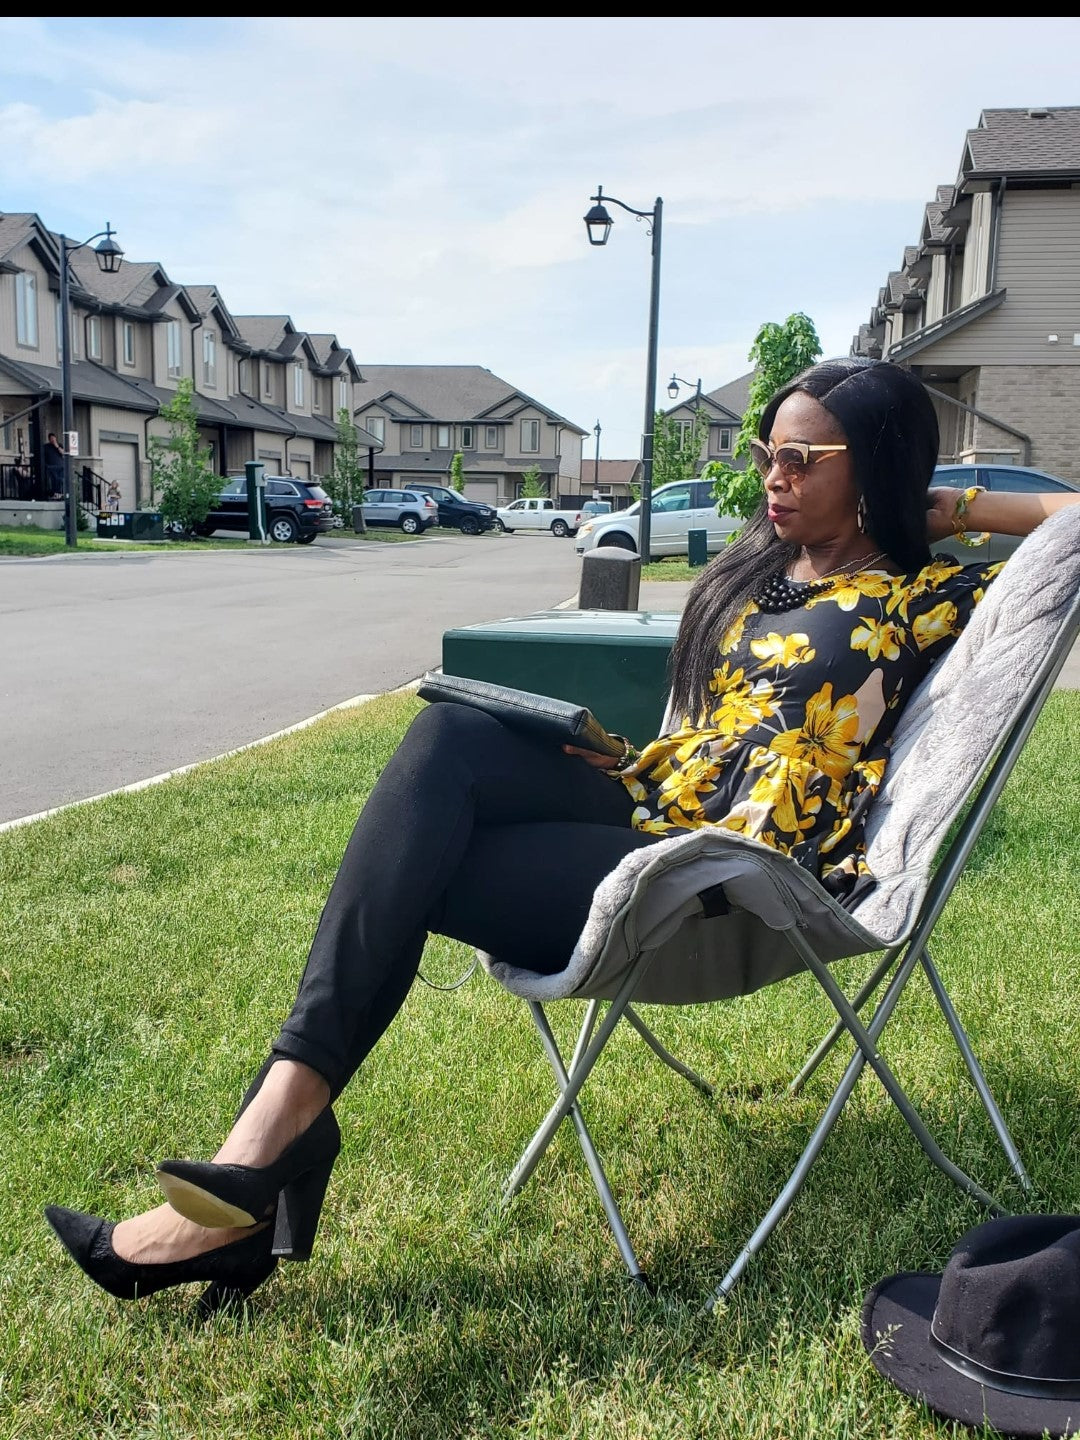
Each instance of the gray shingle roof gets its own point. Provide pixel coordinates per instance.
(132, 285)
(1024, 142)
(448, 393)
(735, 395)
(16, 229)
(263, 332)
(89, 381)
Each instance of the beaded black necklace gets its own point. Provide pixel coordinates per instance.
(777, 593)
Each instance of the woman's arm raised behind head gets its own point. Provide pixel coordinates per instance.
(1002, 512)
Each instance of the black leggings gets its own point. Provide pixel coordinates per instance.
(472, 831)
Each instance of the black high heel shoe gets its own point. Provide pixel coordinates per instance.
(292, 1187)
(233, 1270)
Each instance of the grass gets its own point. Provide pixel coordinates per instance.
(672, 567)
(32, 540)
(150, 945)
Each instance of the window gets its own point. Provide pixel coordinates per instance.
(93, 337)
(491, 437)
(209, 358)
(468, 437)
(416, 437)
(26, 331)
(442, 437)
(298, 385)
(268, 381)
(343, 394)
(376, 426)
(129, 343)
(243, 373)
(172, 347)
(676, 498)
(316, 392)
(530, 435)
(725, 439)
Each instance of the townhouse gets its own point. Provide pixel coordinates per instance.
(986, 305)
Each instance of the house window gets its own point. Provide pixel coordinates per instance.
(491, 437)
(243, 373)
(93, 337)
(468, 437)
(530, 435)
(26, 331)
(268, 383)
(442, 437)
(129, 343)
(376, 426)
(316, 391)
(725, 439)
(416, 437)
(343, 394)
(172, 347)
(209, 358)
(298, 385)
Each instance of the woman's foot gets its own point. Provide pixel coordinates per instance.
(275, 1162)
(233, 1269)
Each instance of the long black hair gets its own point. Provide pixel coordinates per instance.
(891, 430)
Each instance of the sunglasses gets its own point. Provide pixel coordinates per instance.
(793, 456)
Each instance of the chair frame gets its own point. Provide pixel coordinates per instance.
(898, 962)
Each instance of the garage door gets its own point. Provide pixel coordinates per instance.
(300, 468)
(486, 491)
(118, 460)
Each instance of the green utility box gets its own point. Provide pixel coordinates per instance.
(613, 661)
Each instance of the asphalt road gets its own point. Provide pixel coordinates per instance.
(114, 669)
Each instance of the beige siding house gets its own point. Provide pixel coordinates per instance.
(725, 408)
(425, 414)
(986, 307)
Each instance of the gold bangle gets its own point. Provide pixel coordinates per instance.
(963, 500)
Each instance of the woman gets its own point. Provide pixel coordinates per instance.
(797, 649)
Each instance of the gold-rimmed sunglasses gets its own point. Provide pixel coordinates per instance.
(793, 456)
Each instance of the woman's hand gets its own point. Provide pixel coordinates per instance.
(941, 512)
(591, 757)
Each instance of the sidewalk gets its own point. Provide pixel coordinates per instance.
(671, 595)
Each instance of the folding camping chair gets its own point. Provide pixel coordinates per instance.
(709, 915)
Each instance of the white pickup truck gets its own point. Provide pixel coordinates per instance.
(538, 515)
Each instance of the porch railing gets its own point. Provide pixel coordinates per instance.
(25, 482)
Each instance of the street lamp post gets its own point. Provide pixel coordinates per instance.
(598, 223)
(596, 463)
(109, 256)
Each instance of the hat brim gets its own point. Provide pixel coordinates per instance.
(895, 1330)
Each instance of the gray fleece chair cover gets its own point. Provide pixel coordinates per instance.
(950, 730)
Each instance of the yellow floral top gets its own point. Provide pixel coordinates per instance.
(795, 747)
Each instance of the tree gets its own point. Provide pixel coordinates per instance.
(677, 446)
(345, 483)
(532, 487)
(180, 465)
(778, 354)
(457, 473)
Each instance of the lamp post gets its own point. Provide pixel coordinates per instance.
(598, 223)
(109, 256)
(596, 463)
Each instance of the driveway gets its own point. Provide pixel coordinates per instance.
(117, 668)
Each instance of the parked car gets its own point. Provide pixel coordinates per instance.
(676, 509)
(596, 507)
(993, 477)
(538, 514)
(457, 513)
(295, 509)
(410, 510)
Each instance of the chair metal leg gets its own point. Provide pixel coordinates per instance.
(661, 1050)
(867, 989)
(978, 1079)
(588, 1149)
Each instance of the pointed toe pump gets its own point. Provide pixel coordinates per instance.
(232, 1270)
(290, 1189)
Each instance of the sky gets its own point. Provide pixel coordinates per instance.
(417, 186)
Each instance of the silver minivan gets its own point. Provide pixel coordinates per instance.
(410, 510)
(676, 509)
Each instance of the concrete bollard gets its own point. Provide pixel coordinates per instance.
(610, 579)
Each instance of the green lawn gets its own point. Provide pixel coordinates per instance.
(150, 945)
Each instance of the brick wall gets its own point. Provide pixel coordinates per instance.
(1041, 400)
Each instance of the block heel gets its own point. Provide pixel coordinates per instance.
(298, 1209)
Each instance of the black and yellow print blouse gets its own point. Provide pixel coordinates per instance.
(796, 744)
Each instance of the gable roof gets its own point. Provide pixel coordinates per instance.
(18, 229)
(1041, 141)
(450, 393)
(208, 301)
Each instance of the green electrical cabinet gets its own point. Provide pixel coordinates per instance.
(613, 661)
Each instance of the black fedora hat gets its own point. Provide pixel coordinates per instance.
(995, 1338)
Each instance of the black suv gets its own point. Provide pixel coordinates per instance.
(295, 509)
(457, 513)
